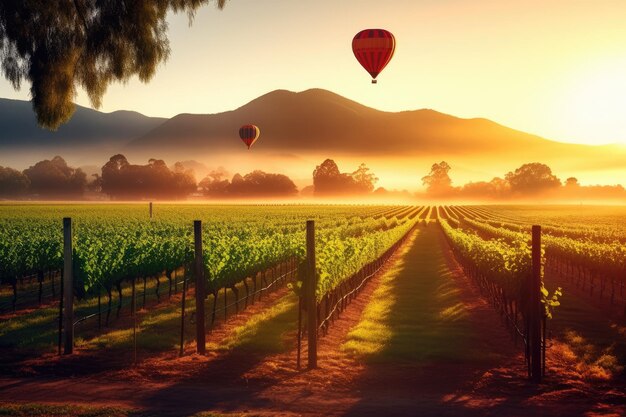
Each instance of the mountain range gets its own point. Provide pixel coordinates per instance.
(18, 127)
(316, 119)
(312, 122)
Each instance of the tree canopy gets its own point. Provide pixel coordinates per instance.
(60, 46)
(122, 180)
(438, 181)
(532, 178)
(55, 179)
(328, 180)
(529, 180)
(13, 183)
(255, 184)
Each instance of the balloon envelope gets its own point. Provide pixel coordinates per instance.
(249, 134)
(374, 48)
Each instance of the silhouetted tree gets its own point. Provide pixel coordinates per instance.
(122, 180)
(13, 183)
(237, 179)
(215, 183)
(364, 179)
(59, 46)
(113, 179)
(307, 191)
(496, 188)
(438, 182)
(261, 183)
(184, 180)
(218, 174)
(572, 182)
(96, 184)
(55, 179)
(214, 187)
(328, 180)
(255, 184)
(532, 178)
(382, 192)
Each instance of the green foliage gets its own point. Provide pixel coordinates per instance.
(550, 302)
(505, 260)
(113, 243)
(339, 255)
(82, 44)
(604, 257)
(507, 265)
(48, 410)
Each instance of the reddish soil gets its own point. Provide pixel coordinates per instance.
(271, 385)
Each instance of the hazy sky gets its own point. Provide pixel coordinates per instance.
(556, 68)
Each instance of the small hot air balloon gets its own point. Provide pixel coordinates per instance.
(374, 48)
(249, 134)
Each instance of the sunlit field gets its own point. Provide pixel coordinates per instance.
(356, 208)
(398, 287)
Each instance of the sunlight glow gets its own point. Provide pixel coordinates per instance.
(593, 106)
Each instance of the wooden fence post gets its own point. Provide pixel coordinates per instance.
(299, 332)
(133, 298)
(133, 310)
(151, 210)
(535, 313)
(182, 315)
(311, 286)
(68, 287)
(199, 272)
(60, 337)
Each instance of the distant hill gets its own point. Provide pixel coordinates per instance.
(319, 120)
(294, 126)
(18, 127)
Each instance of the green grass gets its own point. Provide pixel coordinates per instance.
(34, 330)
(45, 410)
(158, 327)
(416, 314)
(265, 332)
(37, 329)
(53, 410)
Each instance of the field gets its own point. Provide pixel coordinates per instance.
(416, 309)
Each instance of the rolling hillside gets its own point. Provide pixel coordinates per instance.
(18, 127)
(315, 120)
(298, 130)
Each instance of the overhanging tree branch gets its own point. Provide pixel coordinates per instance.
(128, 38)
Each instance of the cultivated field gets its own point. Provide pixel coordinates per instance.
(415, 310)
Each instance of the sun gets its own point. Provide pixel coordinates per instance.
(593, 110)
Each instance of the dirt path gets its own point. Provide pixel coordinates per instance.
(442, 351)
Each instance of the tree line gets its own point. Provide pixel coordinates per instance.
(48, 178)
(121, 180)
(529, 180)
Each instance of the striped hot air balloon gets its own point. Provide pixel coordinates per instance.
(374, 48)
(249, 134)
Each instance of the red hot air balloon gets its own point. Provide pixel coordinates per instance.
(249, 134)
(374, 48)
